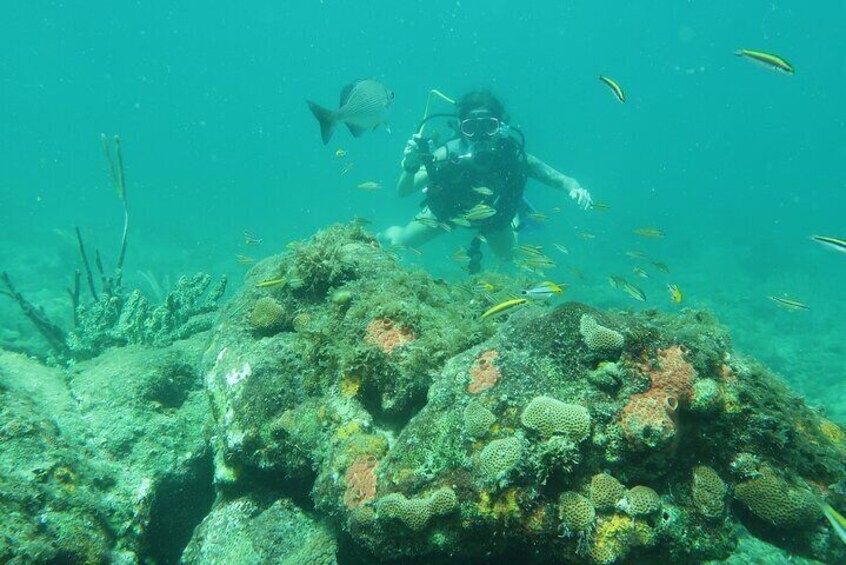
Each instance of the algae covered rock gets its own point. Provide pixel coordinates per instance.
(260, 529)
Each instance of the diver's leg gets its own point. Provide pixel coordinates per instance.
(503, 242)
(414, 234)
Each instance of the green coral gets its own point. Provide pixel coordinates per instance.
(477, 419)
(499, 457)
(576, 512)
(266, 314)
(415, 513)
(708, 491)
(772, 499)
(549, 416)
(640, 501)
(599, 338)
(606, 491)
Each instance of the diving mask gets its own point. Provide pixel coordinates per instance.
(480, 126)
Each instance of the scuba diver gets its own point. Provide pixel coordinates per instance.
(476, 179)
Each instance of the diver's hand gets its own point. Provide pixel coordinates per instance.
(581, 196)
(411, 159)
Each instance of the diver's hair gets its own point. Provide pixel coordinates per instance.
(477, 99)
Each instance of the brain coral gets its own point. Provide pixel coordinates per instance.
(576, 512)
(549, 416)
(640, 501)
(499, 457)
(266, 314)
(597, 337)
(772, 499)
(606, 491)
(477, 419)
(708, 491)
(415, 513)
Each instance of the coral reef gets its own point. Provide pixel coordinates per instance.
(362, 413)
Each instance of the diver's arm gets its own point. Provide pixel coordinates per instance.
(539, 170)
(409, 183)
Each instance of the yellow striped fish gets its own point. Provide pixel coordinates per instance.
(503, 306)
(615, 88)
(270, 282)
(769, 60)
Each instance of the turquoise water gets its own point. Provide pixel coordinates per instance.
(739, 165)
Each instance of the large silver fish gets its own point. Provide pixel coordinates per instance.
(365, 104)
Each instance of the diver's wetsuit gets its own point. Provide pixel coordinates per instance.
(501, 168)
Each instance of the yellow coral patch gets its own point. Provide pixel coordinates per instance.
(833, 432)
(350, 384)
(616, 535)
(344, 432)
(500, 507)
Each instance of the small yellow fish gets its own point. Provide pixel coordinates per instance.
(576, 272)
(542, 262)
(270, 282)
(482, 238)
(648, 232)
(616, 281)
(251, 240)
(484, 286)
(634, 292)
(340, 153)
(675, 293)
(532, 250)
(789, 303)
(636, 254)
(503, 306)
(615, 88)
(347, 168)
(401, 247)
(562, 248)
(479, 212)
(837, 521)
(640, 272)
(538, 217)
(661, 266)
(369, 186)
(461, 221)
(556, 209)
(460, 255)
(545, 289)
(768, 60)
(244, 259)
(428, 221)
(599, 206)
(586, 235)
(483, 190)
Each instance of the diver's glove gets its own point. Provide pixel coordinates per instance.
(581, 196)
(412, 155)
